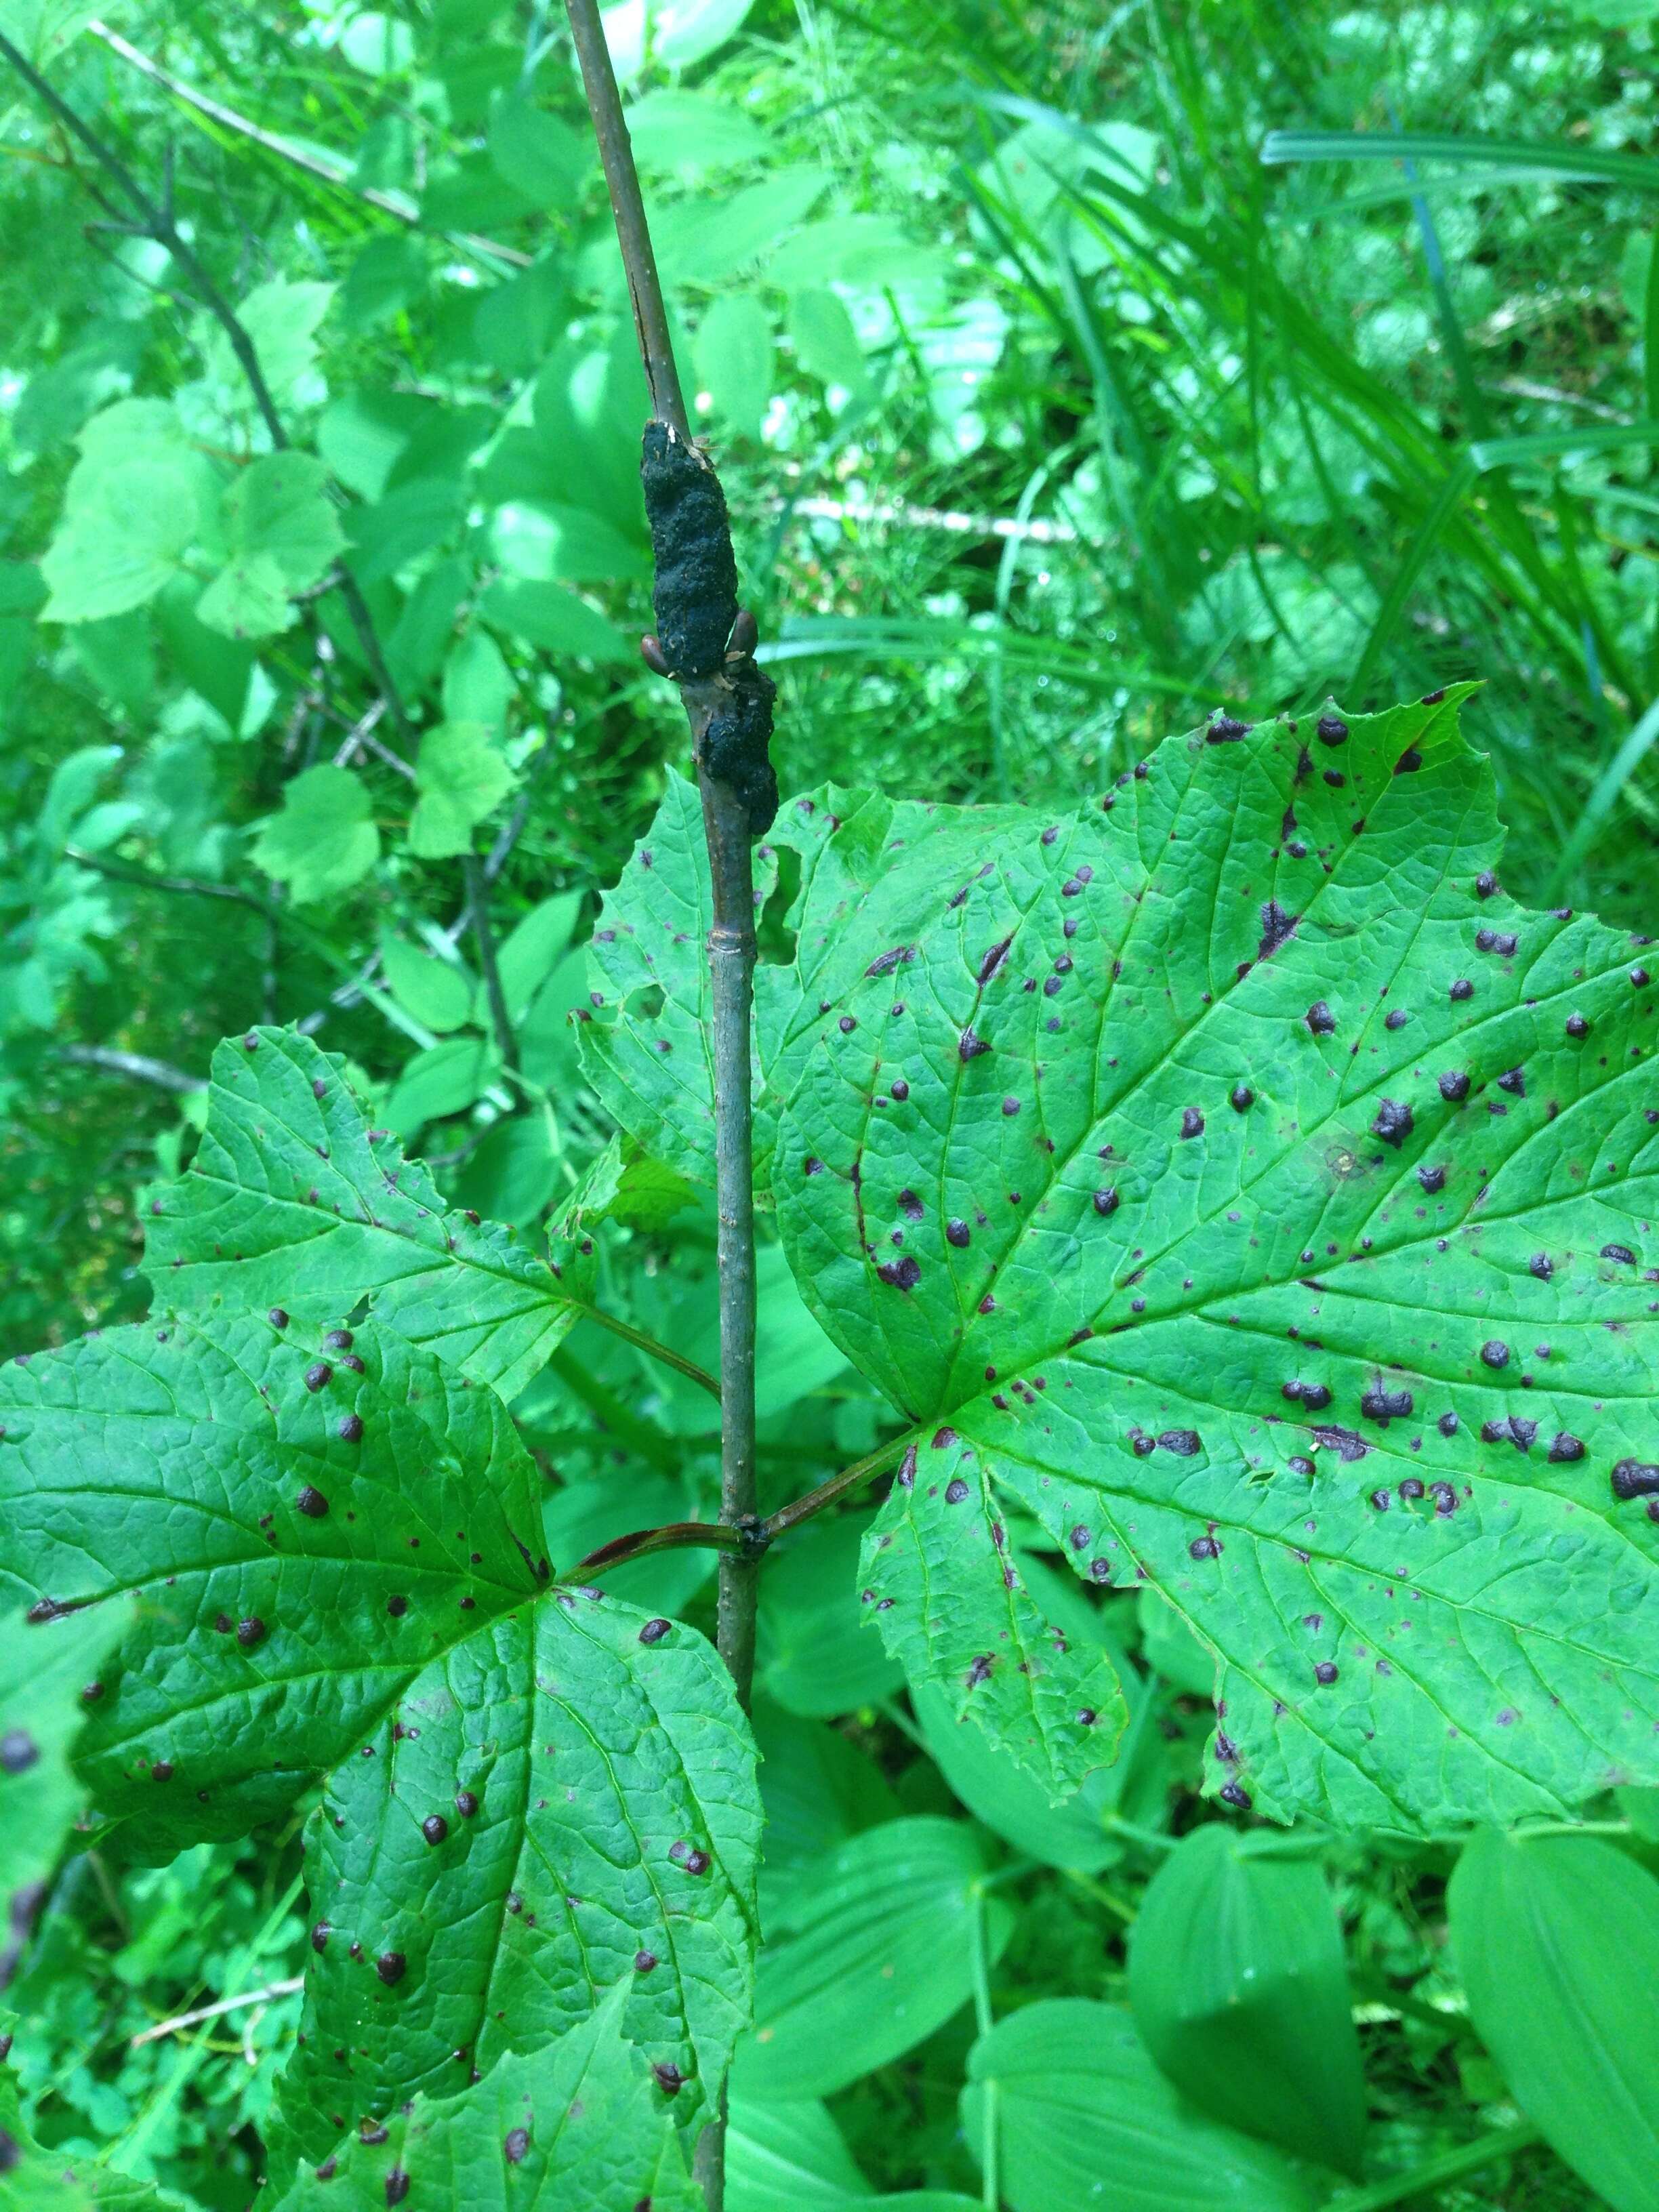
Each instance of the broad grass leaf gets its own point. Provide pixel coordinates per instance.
(294, 1202)
(530, 1795)
(1233, 1175)
(875, 1956)
(1084, 2118)
(323, 840)
(1557, 1938)
(582, 2125)
(786, 2154)
(819, 1788)
(1240, 1991)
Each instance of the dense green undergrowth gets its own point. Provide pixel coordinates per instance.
(1053, 421)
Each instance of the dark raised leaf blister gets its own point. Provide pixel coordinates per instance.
(696, 589)
(734, 745)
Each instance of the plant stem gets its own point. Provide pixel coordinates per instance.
(628, 206)
(732, 964)
(483, 939)
(1451, 2166)
(979, 1958)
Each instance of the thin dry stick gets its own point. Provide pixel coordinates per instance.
(216, 2011)
(731, 965)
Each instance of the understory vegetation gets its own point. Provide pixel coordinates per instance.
(1079, 377)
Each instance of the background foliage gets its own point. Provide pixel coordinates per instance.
(1051, 419)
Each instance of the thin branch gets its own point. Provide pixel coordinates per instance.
(323, 166)
(137, 1066)
(731, 966)
(828, 1493)
(627, 205)
(483, 943)
(661, 1353)
(146, 879)
(673, 1536)
(748, 1541)
(156, 219)
(272, 1989)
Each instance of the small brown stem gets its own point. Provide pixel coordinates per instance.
(673, 1536)
(829, 1493)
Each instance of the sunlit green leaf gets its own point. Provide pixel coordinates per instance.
(323, 841)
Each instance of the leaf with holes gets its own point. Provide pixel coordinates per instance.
(582, 2125)
(530, 1795)
(1232, 1175)
(293, 1203)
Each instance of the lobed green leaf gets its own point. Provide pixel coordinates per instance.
(531, 1794)
(294, 1202)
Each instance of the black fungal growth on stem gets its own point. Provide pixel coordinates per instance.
(734, 745)
(696, 590)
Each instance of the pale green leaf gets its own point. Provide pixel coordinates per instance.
(281, 318)
(136, 502)
(655, 1070)
(1557, 1938)
(1084, 2118)
(38, 2179)
(447, 1078)
(826, 345)
(538, 155)
(249, 598)
(293, 1202)
(876, 1954)
(477, 684)
(692, 130)
(323, 841)
(460, 777)
(280, 506)
(43, 28)
(439, 993)
(734, 358)
(553, 620)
